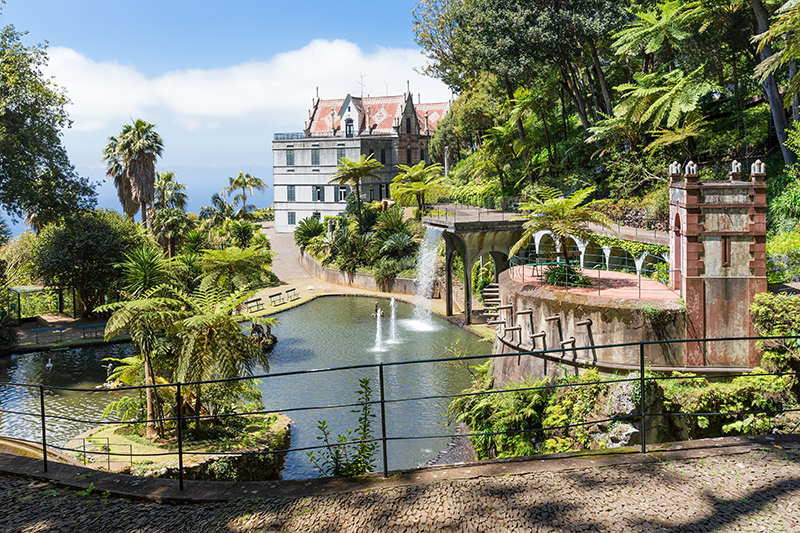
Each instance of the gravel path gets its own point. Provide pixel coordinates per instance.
(755, 491)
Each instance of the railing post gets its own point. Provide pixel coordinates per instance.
(383, 422)
(44, 427)
(179, 417)
(643, 422)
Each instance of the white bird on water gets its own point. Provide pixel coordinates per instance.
(49, 365)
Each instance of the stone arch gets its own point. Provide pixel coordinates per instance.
(621, 261)
(594, 256)
(573, 249)
(546, 248)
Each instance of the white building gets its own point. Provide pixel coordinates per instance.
(393, 129)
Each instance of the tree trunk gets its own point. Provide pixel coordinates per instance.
(565, 83)
(601, 78)
(795, 99)
(151, 431)
(771, 86)
(357, 187)
(520, 130)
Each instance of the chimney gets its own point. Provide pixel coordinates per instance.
(333, 123)
(427, 125)
(369, 130)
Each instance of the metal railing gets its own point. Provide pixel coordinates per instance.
(556, 355)
(501, 209)
(292, 136)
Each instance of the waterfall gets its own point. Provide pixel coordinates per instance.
(426, 275)
(393, 322)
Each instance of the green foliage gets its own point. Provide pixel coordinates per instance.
(307, 229)
(562, 275)
(353, 453)
(775, 315)
(241, 233)
(571, 406)
(36, 177)
(783, 258)
(742, 394)
(82, 253)
(634, 247)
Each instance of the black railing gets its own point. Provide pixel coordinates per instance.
(556, 354)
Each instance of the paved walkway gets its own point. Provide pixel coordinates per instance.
(724, 485)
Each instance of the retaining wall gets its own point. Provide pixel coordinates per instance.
(360, 280)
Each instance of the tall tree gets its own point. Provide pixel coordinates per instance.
(415, 182)
(36, 177)
(131, 156)
(244, 182)
(168, 192)
(770, 84)
(352, 173)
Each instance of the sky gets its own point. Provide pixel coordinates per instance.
(218, 79)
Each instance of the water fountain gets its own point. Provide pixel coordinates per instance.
(426, 277)
(378, 332)
(393, 322)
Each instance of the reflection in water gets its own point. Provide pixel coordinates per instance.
(328, 332)
(77, 368)
(333, 332)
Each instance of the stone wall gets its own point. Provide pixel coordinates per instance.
(360, 280)
(612, 322)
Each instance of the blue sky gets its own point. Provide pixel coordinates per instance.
(217, 78)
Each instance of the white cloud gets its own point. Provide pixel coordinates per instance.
(275, 94)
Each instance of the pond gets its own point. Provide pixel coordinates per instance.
(324, 333)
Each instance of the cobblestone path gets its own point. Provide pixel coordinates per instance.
(756, 491)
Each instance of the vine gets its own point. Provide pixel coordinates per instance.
(633, 247)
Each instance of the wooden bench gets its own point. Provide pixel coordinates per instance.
(92, 329)
(276, 299)
(254, 305)
(291, 294)
(43, 332)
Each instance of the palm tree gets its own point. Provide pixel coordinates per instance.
(236, 269)
(351, 173)
(169, 193)
(130, 159)
(211, 343)
(414, 183)
(245, 182)
(144, 269)
(169, 226)
(145, 319)
(115, 170)
(562, 215)
(218, 212)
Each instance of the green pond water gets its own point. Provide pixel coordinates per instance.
(325, 333)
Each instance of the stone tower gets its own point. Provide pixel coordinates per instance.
(718, 260)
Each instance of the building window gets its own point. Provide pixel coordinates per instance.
(422, 154)
(371, 193)
(290, 193)
(408, 126)
(339, 155)
(316, 214)
(342, 194)
(383, 156)
(319, 193)
(408, 156)
(292, 218)
(348, 127)
(315, 156)
(289, 158)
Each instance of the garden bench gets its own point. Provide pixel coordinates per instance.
(254, 305)
(92, 329)
(276, 298)
(43, 332)
(291, 294)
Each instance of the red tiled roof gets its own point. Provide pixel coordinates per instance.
(383, 111)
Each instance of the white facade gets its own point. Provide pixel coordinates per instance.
(388, 128)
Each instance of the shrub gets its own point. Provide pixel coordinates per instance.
(783, 258)
(307, 229)
(562, 275)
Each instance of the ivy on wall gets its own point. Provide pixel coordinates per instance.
(634, 247)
